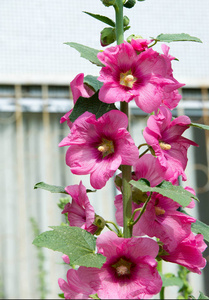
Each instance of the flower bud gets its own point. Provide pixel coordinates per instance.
(133, 36)
(129, 3)
(125, 21)
(100, 223)
(108, 2)
(108, 36)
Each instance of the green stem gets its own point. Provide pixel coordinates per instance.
(142, 210)
(162, 293)
(144, 152)
(126, 170)
(119, 21)
(116, 227)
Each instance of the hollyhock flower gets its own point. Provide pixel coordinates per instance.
(140, 44)
(80, 211)
(188, 253)
(142, 77)
(148, 167)
(165, 137)
(77, 285)
(162, 220)
(79, 89)
(129, 271)
(99, 146)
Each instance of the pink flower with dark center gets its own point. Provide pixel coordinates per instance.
(147, 167)
(129, 271)
(80, 211)
(99, 146)
(162, 220)
(188, 253)
(79, 89)
(165, 137)
(142, 77)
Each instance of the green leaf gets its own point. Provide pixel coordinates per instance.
(202, 296)
(61, 295)
(101, 18)
(201, 126)
(200, 227)
(165, 188)
(92, 105)
(94, 296)
(170, 279)
(93, 82)
(49, 187)
(177, 37)
(87, 53)
(75, 242)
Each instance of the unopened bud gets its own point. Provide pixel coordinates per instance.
(108, 36)
(129, 3)
(125, 21)
(100, 223)
(108, 2)
(133, 36)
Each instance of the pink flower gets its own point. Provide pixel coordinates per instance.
(140, 44)
(80, 211)
(165, 137)
(129, 271)
(142, 77)
(188, 253)
(77, 285)
(148, 167)
(79, 89)
(161, 219)
(99, 146)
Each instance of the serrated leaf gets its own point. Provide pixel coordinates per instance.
(75, 242)
(87, 53)
(177, 37)
(50, 188)
(200, 227)
(201, 126)
(92, 105)
(170, 279)
(202, 296)
(101, 18)
(165, 188)
(93, 82)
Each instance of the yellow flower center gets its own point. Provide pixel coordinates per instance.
(122, 267)
(164, 146)
(159, 211)
(127, 79)
(106, 147)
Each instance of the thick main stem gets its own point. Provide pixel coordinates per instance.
(126, 170)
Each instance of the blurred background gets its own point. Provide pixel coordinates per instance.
(36, 68)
